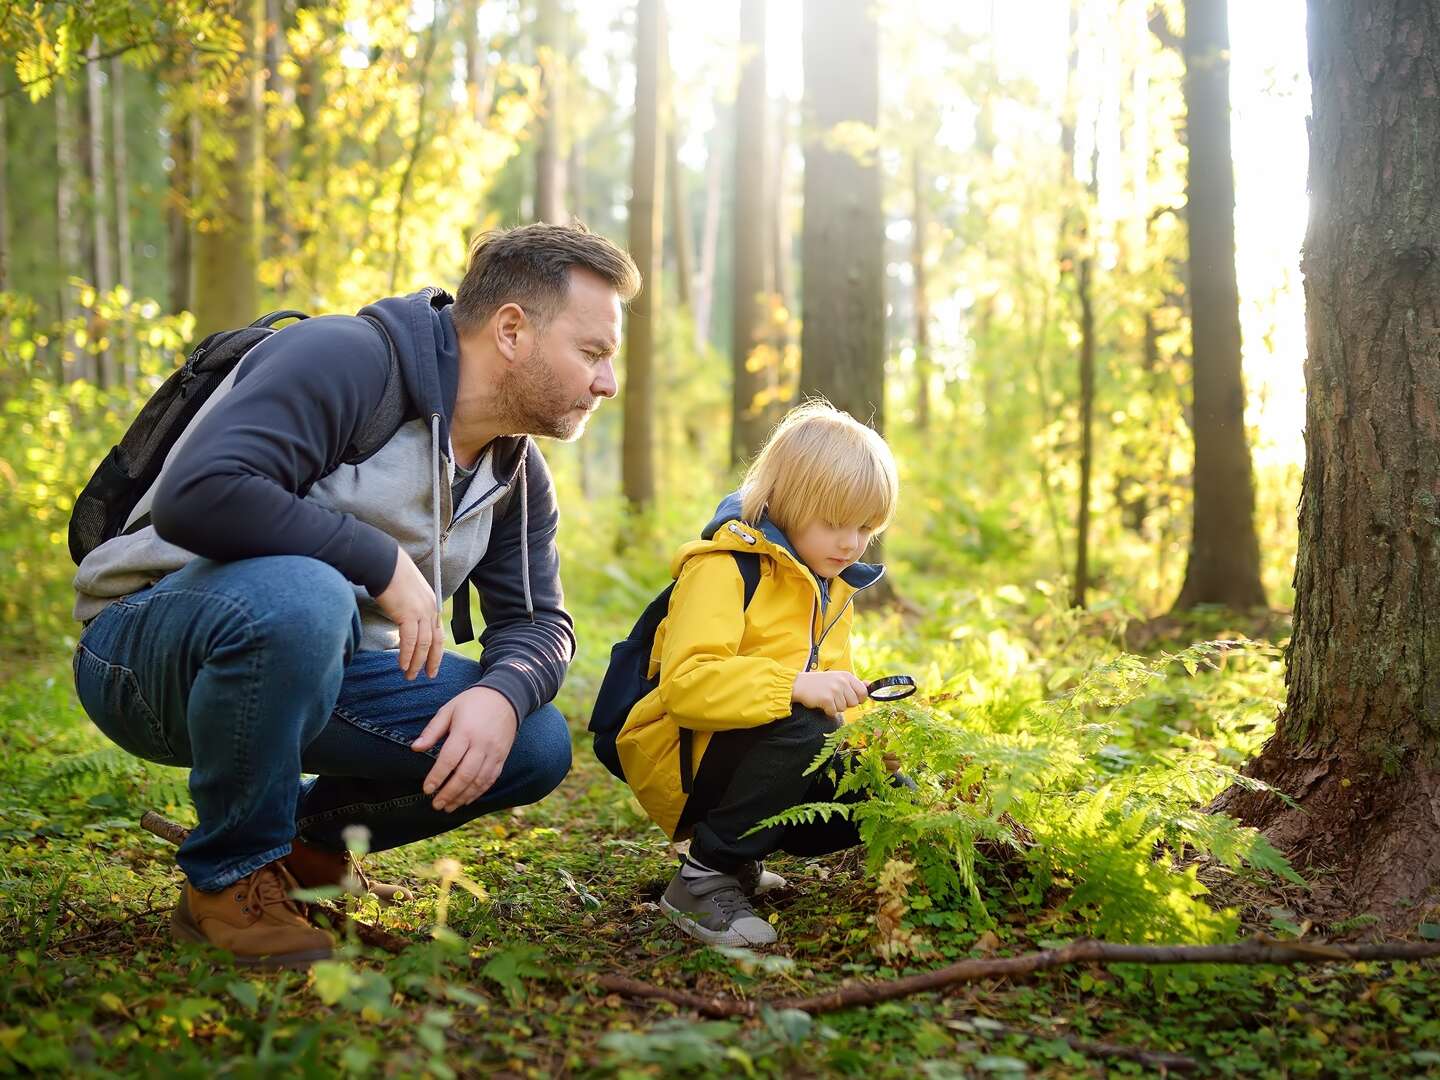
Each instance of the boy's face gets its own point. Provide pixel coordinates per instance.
(828, 549)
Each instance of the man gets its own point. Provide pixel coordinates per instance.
(281, 611)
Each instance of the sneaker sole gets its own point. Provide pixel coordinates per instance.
(182, 929)
(710, 937)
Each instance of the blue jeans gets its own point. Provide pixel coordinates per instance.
(247, 672)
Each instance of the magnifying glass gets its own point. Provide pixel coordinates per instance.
(891, 688)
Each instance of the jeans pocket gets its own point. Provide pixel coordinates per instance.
(111, 698)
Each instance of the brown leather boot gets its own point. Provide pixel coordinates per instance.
(315, 869)
(255, 919)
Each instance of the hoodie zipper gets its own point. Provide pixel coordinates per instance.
(815, 649)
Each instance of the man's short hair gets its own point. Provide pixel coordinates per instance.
(530, 265)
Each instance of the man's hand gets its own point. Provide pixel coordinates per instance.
(479, 728)
(409, 602)
(832, 692)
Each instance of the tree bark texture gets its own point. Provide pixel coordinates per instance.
(1358, 744)
(549, 154)
(842, 342)
(67, 221)
(227, 241)
(646, 227)
(747, 318)
(180, 245)
(1224, 563)
(102, 264)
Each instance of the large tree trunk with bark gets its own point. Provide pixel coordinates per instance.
(1224, 563)
(1359, 742)
(746, 413)
(180, 238)
(120, 175)
(646, 206)
(842, 343)
(842, 241)
(227, 241)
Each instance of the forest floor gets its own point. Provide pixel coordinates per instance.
(96, 987)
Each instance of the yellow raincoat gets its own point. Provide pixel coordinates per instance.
(725, 666)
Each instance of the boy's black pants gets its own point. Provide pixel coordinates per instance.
(750, 774)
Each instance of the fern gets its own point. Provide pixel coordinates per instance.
(1051, 787)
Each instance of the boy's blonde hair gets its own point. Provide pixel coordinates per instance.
(821, 464)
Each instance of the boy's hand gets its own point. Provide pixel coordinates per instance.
(832, 692)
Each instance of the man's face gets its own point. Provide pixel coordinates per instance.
(553, 391)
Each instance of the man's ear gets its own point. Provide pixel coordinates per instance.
(512, 329)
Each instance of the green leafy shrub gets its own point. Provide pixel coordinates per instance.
(52, 435)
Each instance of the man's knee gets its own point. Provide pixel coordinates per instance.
(296, 601)
(546, 754)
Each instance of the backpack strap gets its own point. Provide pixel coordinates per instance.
(748, 563)
(382, 424)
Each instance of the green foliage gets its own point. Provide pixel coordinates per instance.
(1043, 794)
(53, 435)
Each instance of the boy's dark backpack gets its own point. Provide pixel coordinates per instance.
(129, 471)
(626, 679)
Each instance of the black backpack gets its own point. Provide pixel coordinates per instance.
(626, 680)
(129, 470)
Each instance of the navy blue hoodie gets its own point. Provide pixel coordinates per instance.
(271, 469)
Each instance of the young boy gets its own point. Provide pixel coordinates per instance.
(757, 688)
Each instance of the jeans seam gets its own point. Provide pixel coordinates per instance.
(369, 807)
(360, 722)
(245, 867)
(151, 718)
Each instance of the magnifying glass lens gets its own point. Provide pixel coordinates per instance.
(892, 688)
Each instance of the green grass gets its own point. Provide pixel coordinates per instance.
(95, 986)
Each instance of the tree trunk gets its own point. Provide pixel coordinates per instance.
(103, 263)
(1224, 563)
(227, 247)
(120, 174)
(746, 415)
(479, 81)
(180, 250)
(67, 222)
(439, 18)
(647, 188)
(679, 218)
(778, 221)
(1358, 745)
(922, 303)
(842, 241)
(549, 157)
(709, 239)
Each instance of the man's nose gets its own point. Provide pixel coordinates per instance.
(604, 384)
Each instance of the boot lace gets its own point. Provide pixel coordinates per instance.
(270, 888)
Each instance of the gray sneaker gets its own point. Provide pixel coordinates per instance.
(756, 880)
(715, 909)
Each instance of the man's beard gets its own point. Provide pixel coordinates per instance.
(533, 402)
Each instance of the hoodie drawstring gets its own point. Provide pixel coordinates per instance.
(435, 511)
(525, 537)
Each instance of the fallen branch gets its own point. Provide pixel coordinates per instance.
(1156, 1059)
(368, 933)
(1259, 950)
